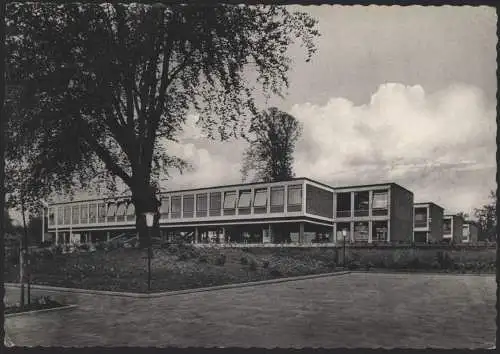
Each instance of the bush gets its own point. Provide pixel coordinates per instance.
(203, 258)
(444, 259)
(183, 257)
(265, 264)
(253, 265)
(244, 260)
(275, 272)
(353, 265)
(220, 260)
(436, 265)
(368, 266)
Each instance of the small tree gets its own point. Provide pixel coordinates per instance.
(272, 136)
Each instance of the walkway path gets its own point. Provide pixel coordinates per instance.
(355, 310)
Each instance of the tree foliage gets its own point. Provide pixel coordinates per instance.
(487, 218)
(102, 86)
(272, 138)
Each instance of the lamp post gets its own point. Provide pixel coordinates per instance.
(344, 236)
(149, 223)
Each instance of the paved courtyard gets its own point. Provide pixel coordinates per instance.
(354, 310)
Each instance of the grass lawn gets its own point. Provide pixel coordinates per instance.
(172, 269)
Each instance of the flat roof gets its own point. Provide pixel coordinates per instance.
(427, 203)
(374, 185)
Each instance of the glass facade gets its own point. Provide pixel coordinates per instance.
(176, 207)
(201, 205)
(188, 206)
(111, 211)
(84, 214)
(420, 217)
(165, 207)
(379, 231)
(447, 226)
(277, 199)
(260, 201)
(51, 219)
(120, 211)
(319, 201)
(343, 205)
(75, 214)
(380, 203)
(93, 213)
(101, 210)
(229, 203)
(361, 231)
(215, 203)
(294, 202)
(130, 212)
(361, 203)
(245, 202)
(67, 215)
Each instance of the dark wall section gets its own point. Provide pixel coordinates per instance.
(436, 232)
(401, 214)
(319, 201)
(458, 227)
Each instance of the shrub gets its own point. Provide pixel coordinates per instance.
(203, 258)
(353, 265)
(253, 265)
(275, 272)
(244, 260)
(220, 260)
(435, 265)
(368, 266)
(265, 264)
(444, 259)
(183, 257)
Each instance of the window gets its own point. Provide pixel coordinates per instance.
(120, 211)
(188, 206)
(130, 212)
(176, 207)
(344, 205)
(67, 215)
(101, 212)
(229, 203)
(75, 214)
(60, 215)
(201, 204)
(215, 203)
(51, 218)
(420, 217)
(379, 231)
(84, 213)
(294, 202)
(245, 202)
(260, 201)
(447, 226)
(344, 232)
(165, 207)
(380, 203)
(92, 213)
(277, 199)
(361, 231)
(111, 211)
(361, 203)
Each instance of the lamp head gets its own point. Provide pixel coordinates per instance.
(149, 218)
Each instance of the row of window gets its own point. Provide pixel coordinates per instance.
(361, 207)
(207, 204)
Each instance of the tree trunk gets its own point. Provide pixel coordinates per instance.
(145, 200)
(25, 264)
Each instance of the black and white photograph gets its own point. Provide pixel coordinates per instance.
(248, 175)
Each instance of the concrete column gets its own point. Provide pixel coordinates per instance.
(370, 198)
(351, 232)
(196, 235)
(301, 233)
(223, 238)
(107, 236)
(57, 236)
(370, 236)
(352, 205)
(268, 200)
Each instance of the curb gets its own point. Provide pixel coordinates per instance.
(383, 271)
(34, 312)
(178, 292)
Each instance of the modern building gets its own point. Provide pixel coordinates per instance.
(299, 210)
(428, 222)
(453, 228)
(470, 232)
(374, 213)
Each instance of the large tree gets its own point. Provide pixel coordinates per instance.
(104, 85)
(272, 137)
(487, 218)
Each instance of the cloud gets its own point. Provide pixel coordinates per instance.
(441, 146)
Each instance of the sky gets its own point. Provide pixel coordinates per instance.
(393, 94)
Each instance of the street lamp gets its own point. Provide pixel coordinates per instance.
(149, 223)
(45, 205)
(344, 236)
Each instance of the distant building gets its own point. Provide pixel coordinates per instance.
(470, 232)
(428, 222)
(453, 228)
